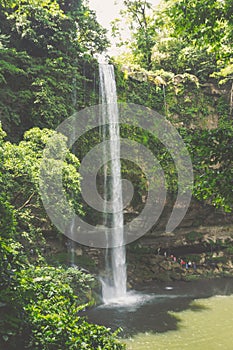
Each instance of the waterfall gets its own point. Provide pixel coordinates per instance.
(114, 283)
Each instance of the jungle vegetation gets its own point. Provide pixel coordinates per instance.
(178, 61)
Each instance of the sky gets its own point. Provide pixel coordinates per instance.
(108, 10)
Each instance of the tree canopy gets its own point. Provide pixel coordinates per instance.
(46, 50)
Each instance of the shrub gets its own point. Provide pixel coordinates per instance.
(48, 309)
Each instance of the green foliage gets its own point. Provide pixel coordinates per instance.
(229, 250)
(7, 215)
(22, 164)
(205, 25)
(205, 22)
(39, 304)
(186, 104)
(47, 71)
(193, 236)
(46, 62)
(143, 93)
(211, 152)
(64, 259)
(47, 313)
(142, 27)
(179, 37)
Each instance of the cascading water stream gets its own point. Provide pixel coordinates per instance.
(114, 284)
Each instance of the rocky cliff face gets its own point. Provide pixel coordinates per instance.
(203, 240)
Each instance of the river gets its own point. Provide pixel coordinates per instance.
(208, 324)
(194, 315)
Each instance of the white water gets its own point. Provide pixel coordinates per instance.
(114, 283)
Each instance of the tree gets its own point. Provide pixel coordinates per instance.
(142, 26)
(211, 152)
(39, 304)
(207, 25)
(46, 60)
(22, 163)
(45, 28)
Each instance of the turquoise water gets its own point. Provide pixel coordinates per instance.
(207, 324)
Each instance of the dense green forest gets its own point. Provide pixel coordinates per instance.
(179, 62)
